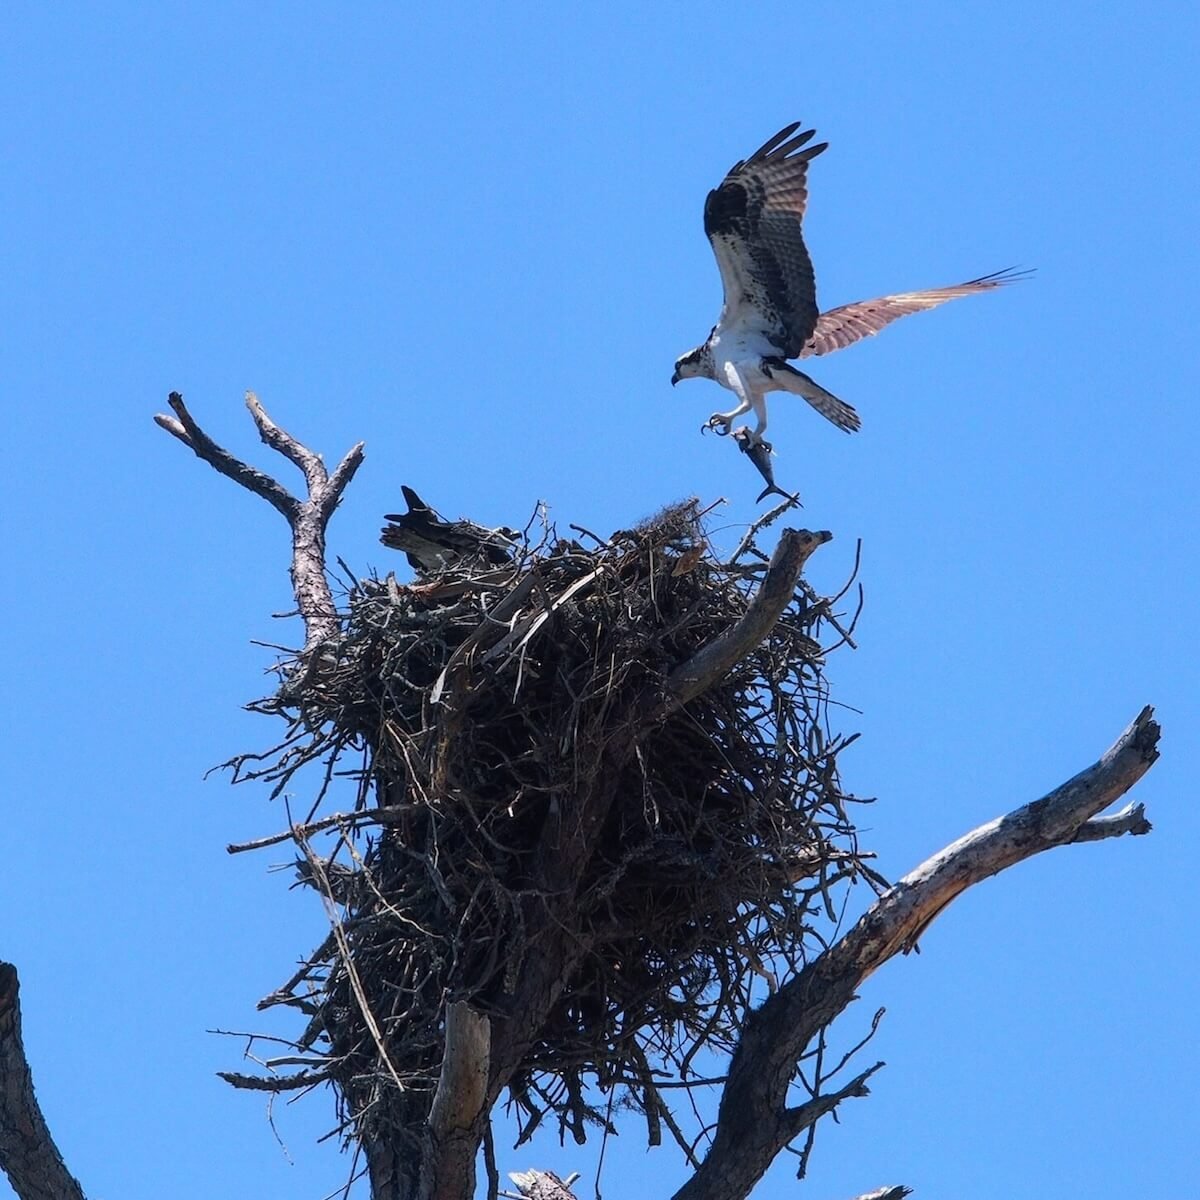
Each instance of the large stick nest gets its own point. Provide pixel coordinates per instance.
(525, 795)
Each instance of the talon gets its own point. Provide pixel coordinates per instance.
(718, 423)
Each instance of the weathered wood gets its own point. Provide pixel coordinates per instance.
(755, 1121)
(459, 1105)
(775, 593)
(307, 518)
(28, 1154)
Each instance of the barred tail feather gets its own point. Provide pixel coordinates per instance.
(826, 403)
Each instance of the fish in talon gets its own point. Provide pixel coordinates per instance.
(760, 454)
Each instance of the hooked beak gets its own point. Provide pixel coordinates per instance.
(674, 378)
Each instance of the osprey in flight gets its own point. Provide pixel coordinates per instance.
(431, 543)
(770, 312)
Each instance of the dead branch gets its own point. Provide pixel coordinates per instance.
(307, 518)
(1131, 819)
(28, 1154)
(755, 1122)
(778, 587)
(559, 834)
(806, 1115)
(368, 816)
(459, 1105)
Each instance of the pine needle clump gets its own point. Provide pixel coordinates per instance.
(544, 831)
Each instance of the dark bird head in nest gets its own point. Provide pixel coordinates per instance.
(434, 544)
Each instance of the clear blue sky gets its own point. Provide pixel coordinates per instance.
(470, 235)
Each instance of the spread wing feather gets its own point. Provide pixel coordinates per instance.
(840, 327)
(753, 221)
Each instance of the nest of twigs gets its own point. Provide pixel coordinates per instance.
(527, 798)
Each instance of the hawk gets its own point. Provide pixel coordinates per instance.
(770, 314)
(431, 543)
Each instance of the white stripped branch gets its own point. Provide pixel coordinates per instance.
(755, 1122)
(307, 518)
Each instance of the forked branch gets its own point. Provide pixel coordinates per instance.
(755, 1122)
(307, 518)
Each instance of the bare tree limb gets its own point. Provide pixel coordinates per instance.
(754, 1122)
(775, 592)
(28, 1154)
(184, 427)
(307, 518)
(798, 1119)
(1131, 819)
(459, 1107)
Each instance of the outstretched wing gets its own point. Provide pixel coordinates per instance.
(753, 222)
(841, 327)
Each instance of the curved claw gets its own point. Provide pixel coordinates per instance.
(718, 423)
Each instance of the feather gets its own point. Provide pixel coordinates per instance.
(753, 221)
(850, 323)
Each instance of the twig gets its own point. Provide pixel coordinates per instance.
(768, 518)
(278, 1083)
(489, 1162)
(367, 816)
(811, 1111)
(339, 932)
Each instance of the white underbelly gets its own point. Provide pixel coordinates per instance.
(743, 352)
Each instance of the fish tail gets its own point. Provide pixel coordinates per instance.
(773, 490)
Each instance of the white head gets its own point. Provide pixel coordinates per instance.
(695, 364)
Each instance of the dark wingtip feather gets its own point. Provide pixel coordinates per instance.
(411, 498)
(1000, 278)
(785, 133)
(780, 147)
(789, 148)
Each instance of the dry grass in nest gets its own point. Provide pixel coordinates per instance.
(519, 798)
